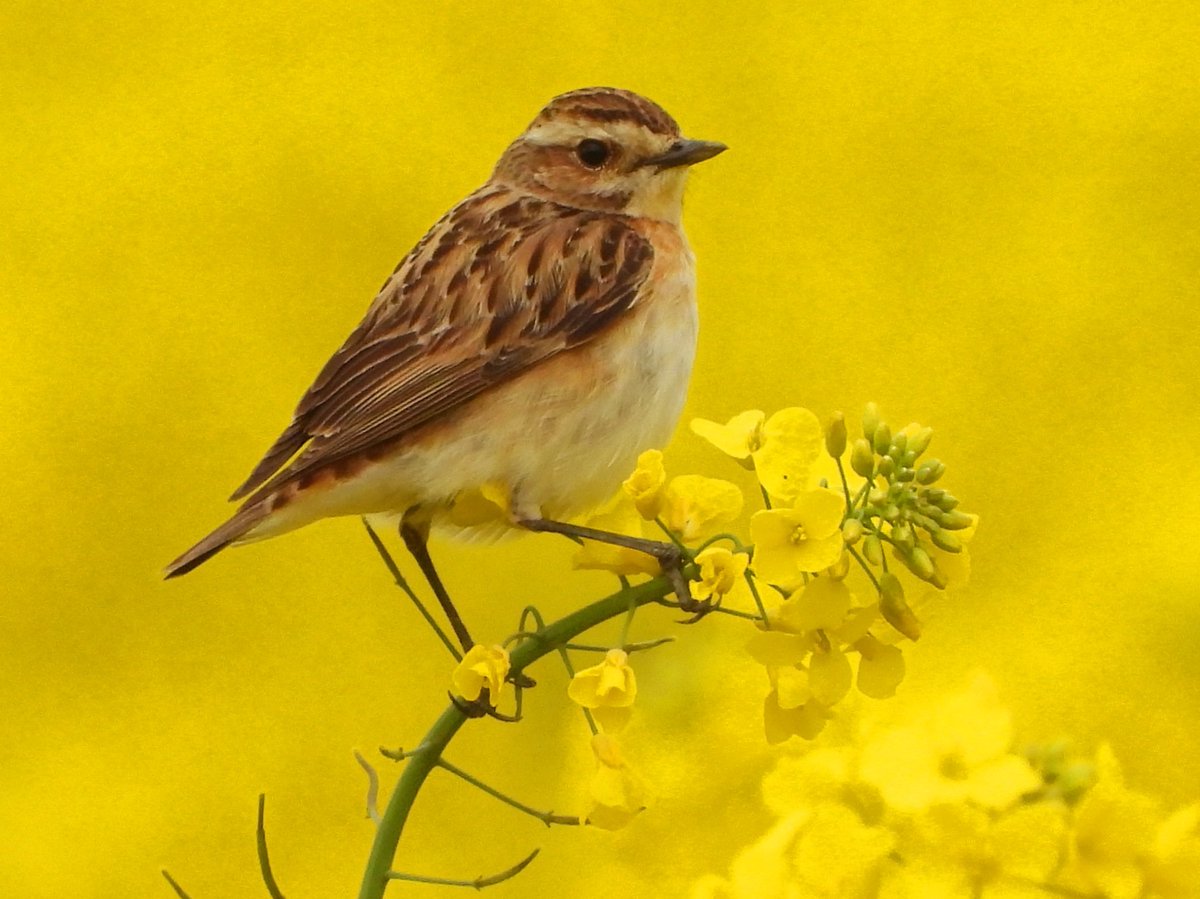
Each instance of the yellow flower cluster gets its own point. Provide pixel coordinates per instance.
(608, 691)
(818, 631)
(822, 632)
(823, 638)
(944, 807)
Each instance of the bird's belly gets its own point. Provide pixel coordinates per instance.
(559, 439)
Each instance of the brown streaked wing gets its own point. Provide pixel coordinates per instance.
(503, 282)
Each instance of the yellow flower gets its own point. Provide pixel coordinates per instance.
(607, 689)
(781, 449)
(806, 537)
(780, 722)
(483, 667)
(618, 517)
(821, 605)
(880, 669)
(692, 505)
(1113, 828)
(645, 485)
(739, 437)
(960, 850)
(618, 793)
(825, 852)
(829, 675)
(959, 751)
(721, 572)
(1173, 867)
(611, 683)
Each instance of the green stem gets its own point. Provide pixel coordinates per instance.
(673, 537)
(762, 610)
(264, 860)
(845, 485)
(717, 538)
(546, 640)
(546, 818)
(478, 883)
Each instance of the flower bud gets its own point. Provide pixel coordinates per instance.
(877, 497)
(894, 607)
(873, 549)
(930, 471)
(835, 435)
(933, 513)
(890, 512)
(919, 563)
(905, 475)
(887, 466)
(956, 521)
(862, 460)
(839, 569)
(946, 540)
(922, 521)
(948, 502)
(883, 438)
(870, 421)
(919, 442)
(852, 531)
(902, 535)
(933, 494)
(899, 445)
(909, 459)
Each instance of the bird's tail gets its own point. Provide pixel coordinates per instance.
(230, 532)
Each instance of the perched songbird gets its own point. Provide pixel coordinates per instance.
(539, 337)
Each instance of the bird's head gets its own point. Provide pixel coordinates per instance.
(605, 149)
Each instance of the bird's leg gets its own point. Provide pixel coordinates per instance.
(669, 556)
(416, 537)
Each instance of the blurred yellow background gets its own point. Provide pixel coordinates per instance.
(983, 216)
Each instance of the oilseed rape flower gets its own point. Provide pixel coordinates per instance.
(805, 538)
(483, 667)
(781, 449)
(618, 792)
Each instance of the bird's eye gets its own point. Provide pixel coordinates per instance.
(592, 153)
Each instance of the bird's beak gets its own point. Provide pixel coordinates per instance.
(686, 152)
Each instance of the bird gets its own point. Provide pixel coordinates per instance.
(539, 337)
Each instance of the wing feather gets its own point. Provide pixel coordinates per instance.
(503, 282)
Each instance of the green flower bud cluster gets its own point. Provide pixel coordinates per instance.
(1064, 775)
(903, 502)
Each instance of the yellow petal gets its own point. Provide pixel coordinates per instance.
(645, 485)
(880, 673)
(829, 676)
(693, 505)
(774, 552)
(822, 604)
(792, 688)
(806, 722)
(621, 518)
(778, 647)
(815, 555)
(482, 666)
(791, 442)
(820, 512)
(738, 437)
